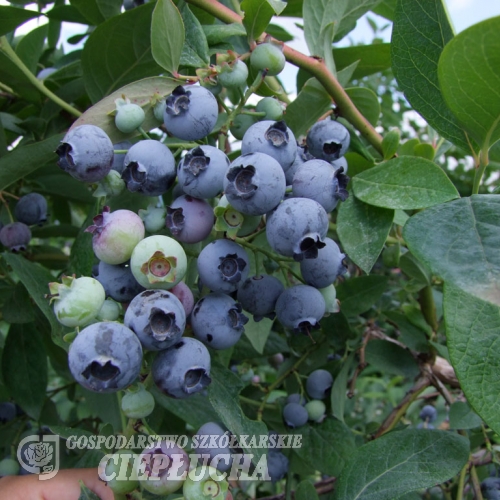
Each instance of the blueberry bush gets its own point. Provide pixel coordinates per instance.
(188, 249)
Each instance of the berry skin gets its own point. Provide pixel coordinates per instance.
(204, 483)
(217, 321)
(110, 311)
(297, 228)
(15, 236)
(189, 219)
(157, 317)
(272, 107)
(201, 171)
(328, 140)
(117, 484)
(277, 465)
(158, 262)
(153, 218)
(223, 265)
(183, 369)
(268, 57)
(319, 383)
(118, 281)
(490, 488)
(232, 222)
(105, 357)
(326, 268)
(31, 209)
(233, 74)
(241, 124)
(316, 410)
(300, 308)
(168, 477)
(86, 153)
(428, 413)
(302, 157)
(320, 181)
(254, 184)
(191, 113)
(119, 158)
(295, 415)
(272, 138)
(138, 404)
(9, 467)
(115, 235)
(149, 168)
(129, 116)
(296, 398)
(185, 295)
(77, 301)
(258, 295)
(223, 454)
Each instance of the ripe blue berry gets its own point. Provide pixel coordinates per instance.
(86, 153)
(105, 357)
(428, 413)
(222, 454)
(295, 415)
(149, 168)
(328, 140)
(118, 281)
(191, 113)
(296, 398)
(319, 383)
(258, 295)
(277, 465)
(7, 412)
(302, 157)
(15, 236)
(183, 369)
(268, 57)
(157, 317)
(31, 209)
(217, 320)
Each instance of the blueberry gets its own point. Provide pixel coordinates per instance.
(86, 153)
(258, 295)
(191, 113)
(428, 413)
(105, 357)
(189, 219)
(118, 281)
(31, 209)
(115, 235)
(153, 218)
(319, 383)
(233, 74)
(201, 171)
(254, 184)
(268, 57)
(320, 181)
(185, 295)
(158, 262)
(129, 116)
(272, 138)
(220, 454)
(297, 227)
(316, 410)
(9, 467)
(223, 265)
(138, 403)
(149, 168)
(341, 162)
(490, 488)
(122, 461)
(119, 158)
(205, 482)
(157, 317)
(272, 107)
(277, 465)
(217, 320)
(110, 311)
(7, 412)
(296, 398)
(326, 268)
(294, 415)
(15, 236)
(302, 157)
(328, 140)
(183, 369)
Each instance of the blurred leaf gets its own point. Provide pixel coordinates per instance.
(104, 406)
(412, 459)
(353, 11)
(463, 417)
(385, 8)
(420, 32)
(469, 71)
(86, 494)
(409, 334)
(67, 13)
(472, 327)
(339, 388)
(12, 17)
(55, 230)
(362, 230)
(390, 143)
(82, 257)
(390, 358)
(257, 332)
(258, 13)
(306, 491)
(404, 183)
(30, 47)
(357, 295)
(217, 33)
(97, 11)
(18, 309)
(366, 101)
(372, 58)
(279, 33)
(459, 242)
(62, 184)
(24, 367)
(414, 269)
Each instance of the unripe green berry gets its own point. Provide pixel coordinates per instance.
(9, 467)
(233, 74)
(268, 57)
(115, 468)
(110, 311)
(203, 483)
(272, 107)
(315, 410)
(129, 117)
(241, 124)
(138, 404)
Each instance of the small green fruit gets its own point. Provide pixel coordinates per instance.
(268, 57)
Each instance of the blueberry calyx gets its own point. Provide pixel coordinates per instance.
(343, 180)
(237, 318)
(159, 266)
(277, 134)
(162, 325)
(195, 380)
(175, 220)
(195, 162)
(98, 225)
(135, 175)
(231, 267)
(101, 371)
(241, 182)
(65, 159)
(308, 247)
(178, 101)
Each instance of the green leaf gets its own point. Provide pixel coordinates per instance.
(30, 47)
(67, 13)
(103, 406)
(24, 367)
(223, 393)
(12, 17)
(472, 327)
(194, 46)
(412, 459)
(409, 334)
(339, 388)
(311, 103)
(390, 358)
(36, 279)
(366, 101)
(82, 257)
(118, 52)
(353, 11)
(306, 491)
(97, 11)
(385, 8)
(459, 242)
(326, 447)
(217, 33)
(18, 309)
(463, 417)
(66, 432)
(390, 143)
(258, 13)
(357, 295)
(86, 493)
(469, 75)
(23, 160)
(257, 332)
(420, 32)
(405, 183)
(372, 58)
(140, 92)
(362, 230)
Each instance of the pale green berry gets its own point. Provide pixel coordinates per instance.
(205, 483)
(138, 404)
(153, 218)
(315, 410)
(110, 311)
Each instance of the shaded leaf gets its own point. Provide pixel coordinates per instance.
(258, 13)
(372, 58)
(12, 17)
(390, 358)
(366, 101)
(463, 417)
(306, 491)
(97, 11)
(217, 33)
(258, 332)
(357, 295)
(339, 388)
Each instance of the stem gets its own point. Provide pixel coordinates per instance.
(461, 482)
(426, 300)
(476, 485)
(123, 419)
(483, 163)
(9, 52)
(143, 133)
(315, 66)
